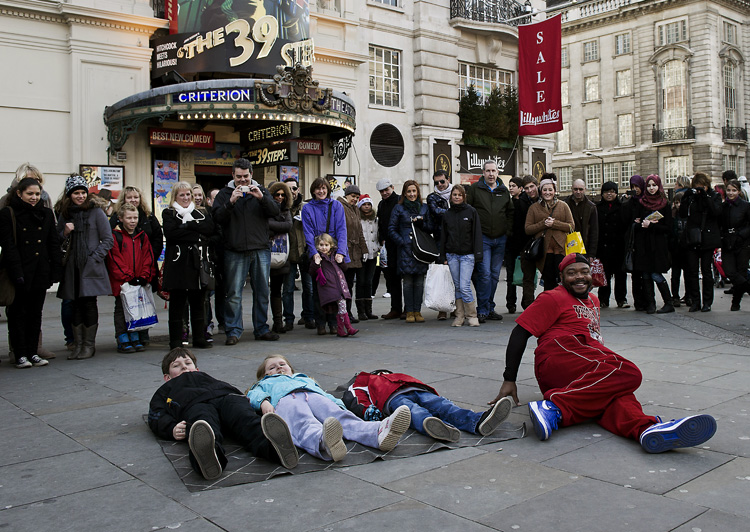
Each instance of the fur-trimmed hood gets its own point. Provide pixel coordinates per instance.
(278, 185)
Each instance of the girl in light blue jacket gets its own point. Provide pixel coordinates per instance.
(317, 420)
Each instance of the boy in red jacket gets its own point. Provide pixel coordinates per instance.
(130, 260)
(372, 396)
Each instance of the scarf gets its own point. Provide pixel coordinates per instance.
(639, 182)
(653, 202)
(445, 194)
(184, 213)
(413, 206)
(79, 245)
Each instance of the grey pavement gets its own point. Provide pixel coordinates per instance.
(77, 455)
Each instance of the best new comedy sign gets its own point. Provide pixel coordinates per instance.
(539, 102)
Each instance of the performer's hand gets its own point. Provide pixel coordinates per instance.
(179, 432)
(266, 407)
(508, 388)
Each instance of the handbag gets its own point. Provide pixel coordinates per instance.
(206, 270)
(534, 249)
(518, 274)
(694, 235)
(160, 286)
(423, 246)
(574, 243)
(439, 290)
(7, 288)
(138, 306)
(279, 250)
(628, 261)
(598, 277)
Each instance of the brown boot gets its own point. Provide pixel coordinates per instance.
(89, 342)
(418, 317)
(42, 352)
(471, 313)
(460, 314)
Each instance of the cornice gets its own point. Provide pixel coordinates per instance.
(339, 57)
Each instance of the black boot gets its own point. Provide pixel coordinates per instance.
(368, 310)
(739, 291)
(349, 311)
(199, 328)
(648, 295)
(276, 311)
(361, 312)
(667, 297)
(175, 333)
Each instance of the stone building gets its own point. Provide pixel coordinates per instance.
(652, 86)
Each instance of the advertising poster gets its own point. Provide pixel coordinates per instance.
(472, 159)
(286, 172)
(339, 183)
(223, 155)
(166, 175)
(104, 181)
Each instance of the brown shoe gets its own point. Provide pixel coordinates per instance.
(392, 315)
(442, 316)
(231, 340)
(418, 317)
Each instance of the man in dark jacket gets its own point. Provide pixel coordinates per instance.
(389, 199)
(585, 216)
(243, 208)
(611, 248)
(194, 406)
(515, 243)
(491, 199)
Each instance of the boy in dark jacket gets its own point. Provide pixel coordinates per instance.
(372, 396)
(194, 405)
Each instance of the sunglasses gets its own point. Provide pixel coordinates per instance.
(441, 182)
(279, 195)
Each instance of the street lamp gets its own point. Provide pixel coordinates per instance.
(590, 154)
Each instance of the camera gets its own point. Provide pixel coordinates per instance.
(244, 189)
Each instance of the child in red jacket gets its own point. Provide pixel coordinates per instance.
(130, 260)
(372, 396)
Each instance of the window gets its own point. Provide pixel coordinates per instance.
(563, 139)
(564, 93)
(624, 84)
(622, 44)
(590, 51)
(672, 32)
(627, 170)
(625, 130)
(740, 165)
(565, 175)
(592, 134)
(385, 76)
(564, 59)
(675, 167)
(730, 33)
(591, 88)
(593, 176)
(484, 79)
(730, 94)
(612, 172)
(673, 94)
(732, 163)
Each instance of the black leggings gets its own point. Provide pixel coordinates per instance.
(85, 311)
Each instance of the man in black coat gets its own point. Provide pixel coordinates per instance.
(389, 199)
(611, 249)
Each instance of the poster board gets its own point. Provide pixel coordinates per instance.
(104, 181)
(166, 175)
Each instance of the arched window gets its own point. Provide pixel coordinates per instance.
(674, 105)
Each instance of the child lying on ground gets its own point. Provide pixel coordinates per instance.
(317, 420)
(193, 405)
(371, 395)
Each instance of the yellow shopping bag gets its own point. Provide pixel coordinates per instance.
(574, 244)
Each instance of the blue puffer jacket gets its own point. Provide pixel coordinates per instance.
(399, 230)
(314, 217)
(274, 387)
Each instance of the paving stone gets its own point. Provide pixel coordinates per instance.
(31, 439)
(691, 398)
(714, 521)
(680, 373)
(588, 504)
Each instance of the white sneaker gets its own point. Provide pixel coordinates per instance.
(386, 295)
(333, 439)
(23, 363)
(37, 361)
(392, 427)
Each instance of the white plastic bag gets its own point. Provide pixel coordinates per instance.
(439, 291)
(138, 305)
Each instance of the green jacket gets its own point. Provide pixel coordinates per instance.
(495, 208)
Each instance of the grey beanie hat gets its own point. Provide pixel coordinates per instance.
(352, 189)
(75, 182)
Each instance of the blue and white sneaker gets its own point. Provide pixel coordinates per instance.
(686, 432)
(544, 417)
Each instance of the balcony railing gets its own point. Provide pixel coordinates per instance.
(734, 133)
(673, 133)
(493, 11)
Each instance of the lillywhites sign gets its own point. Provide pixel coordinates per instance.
(273, 155)
(241, 45)
(472, 160)
(202, 140)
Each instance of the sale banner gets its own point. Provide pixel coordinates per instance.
(539, 101)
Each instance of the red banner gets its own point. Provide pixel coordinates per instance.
(539, 103)
(170, 12)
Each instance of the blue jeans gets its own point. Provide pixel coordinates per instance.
(236, 267)
(425, 404)
(655, 276)
(413, 292)
(488, 273)
(461, 267)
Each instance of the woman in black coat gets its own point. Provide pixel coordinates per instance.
(702, 207)
(652, 243)
(33, 259)
(280, 225)
(187, 229)
(610, 248)
(735, 241)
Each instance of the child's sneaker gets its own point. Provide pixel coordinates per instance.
(38, 361)
(277, 433)
(135, 341)
(686, 432)
(544, 417)
(392, 427)
(203, 446)
(23, 363)
(333, 439)
(123, 344)
(436, 428)
(492, 418)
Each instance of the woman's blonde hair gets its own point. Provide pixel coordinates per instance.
(141, 203)
(182, 185)
(24, 170)
(198, 187)
(262, 368)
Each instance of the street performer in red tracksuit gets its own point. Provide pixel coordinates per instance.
(579, 377)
